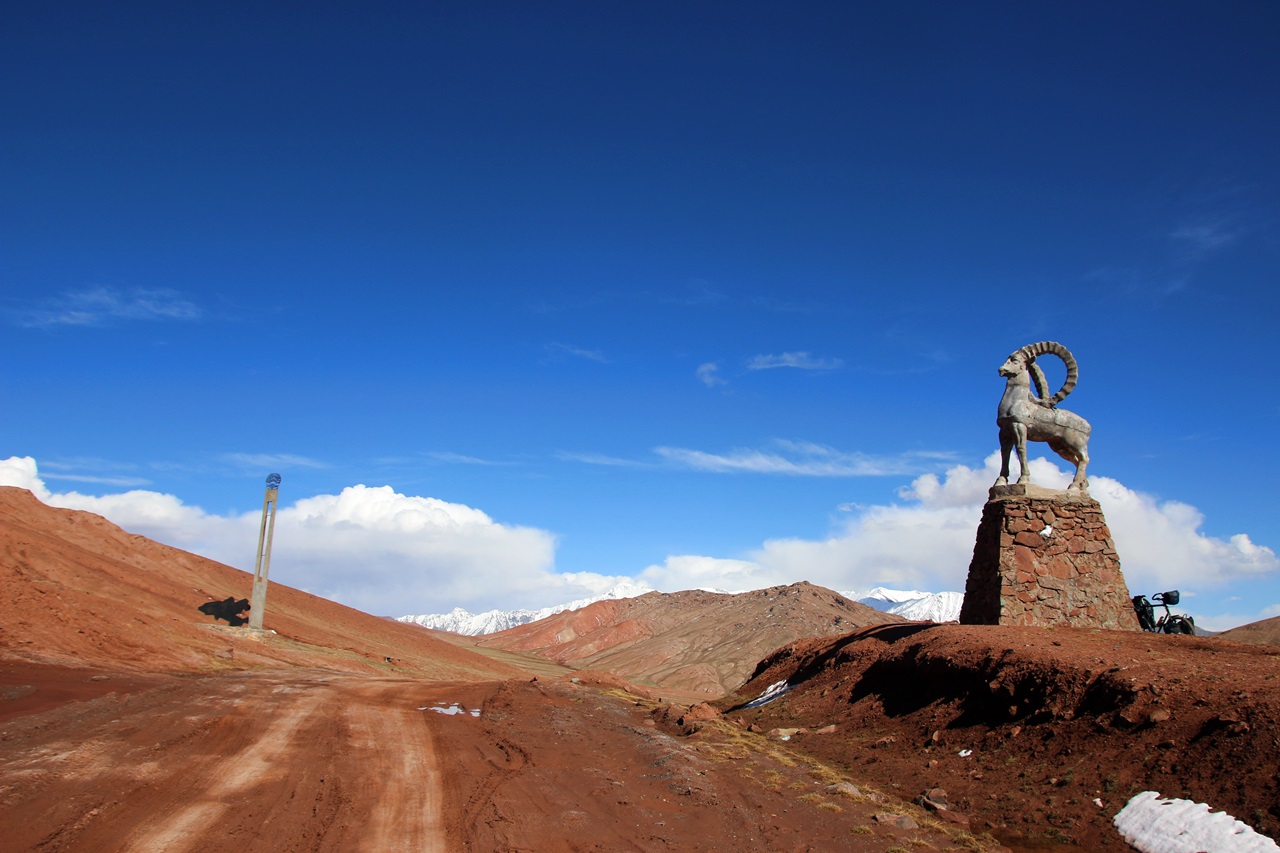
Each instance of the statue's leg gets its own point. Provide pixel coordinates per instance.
(1020, 435)
(1006, 445)
(1070, 452)
(1074, 448)
(1082, 463)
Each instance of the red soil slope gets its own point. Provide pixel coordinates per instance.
(81, 591)
(1265, 633)
(694, 643)
(1063, 725)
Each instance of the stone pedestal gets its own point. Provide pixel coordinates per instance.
(1045, 557)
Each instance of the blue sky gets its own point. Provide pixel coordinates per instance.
(699, 293)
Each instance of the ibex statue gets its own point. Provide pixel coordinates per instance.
(1022, 415)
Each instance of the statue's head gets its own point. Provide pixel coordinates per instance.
(1024, 359)
(1014, 364)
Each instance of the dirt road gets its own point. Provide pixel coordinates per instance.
(264, 761)
(306, 760)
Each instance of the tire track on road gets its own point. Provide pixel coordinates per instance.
(256, 761)
(406, 813)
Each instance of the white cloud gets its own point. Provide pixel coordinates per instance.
(592, 458)
(558, 351)
(100, 480)
(450, 458)
(96, 306)
(379, 550)
(21, 471)
(1161, 544)
(255, 461)
(800, 360)
(692, 572)
(708, 374)
(152, 514)
(1205, 235)
(796, 458)
(368, 547)
(927, 543)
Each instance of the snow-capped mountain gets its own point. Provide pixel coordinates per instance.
(912, 604)
(909, 604)
(459, 621)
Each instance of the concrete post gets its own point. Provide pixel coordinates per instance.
(258, 601)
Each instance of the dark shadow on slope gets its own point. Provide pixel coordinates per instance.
(888, 633)
(995, 691)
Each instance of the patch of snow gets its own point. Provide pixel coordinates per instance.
(450, 710)
(773, 691)
(1155, 825)
(460, 621)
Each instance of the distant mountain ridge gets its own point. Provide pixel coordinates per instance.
(460, 621)
(911, 605)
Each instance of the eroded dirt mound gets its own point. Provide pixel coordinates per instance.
(692, 643)
(79, 590)
(1036, 733)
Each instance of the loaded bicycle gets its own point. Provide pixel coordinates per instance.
(1170, 622)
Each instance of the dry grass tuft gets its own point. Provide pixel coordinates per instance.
(783, 756)
(824, 774)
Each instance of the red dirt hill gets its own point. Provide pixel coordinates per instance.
(693, 643)
(1036, 732)
(81, 591)
(1265, 632)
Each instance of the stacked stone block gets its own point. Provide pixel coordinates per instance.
(1045, 557)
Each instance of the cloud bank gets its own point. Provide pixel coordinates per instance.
(393, 554)
(926, 542)
(368, 547)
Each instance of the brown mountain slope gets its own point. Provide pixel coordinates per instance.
(692, 643)
(1265, 632)
(1034, 731)
(79, 590)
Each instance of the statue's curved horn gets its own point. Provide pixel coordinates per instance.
(1030, 351)
(1042, 384)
